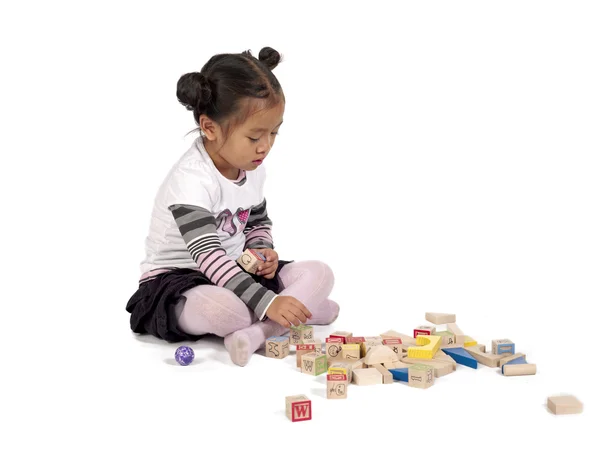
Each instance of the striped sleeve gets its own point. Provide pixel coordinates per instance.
(198, 228)
(258, 229)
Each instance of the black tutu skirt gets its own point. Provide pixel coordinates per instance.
(152, 305)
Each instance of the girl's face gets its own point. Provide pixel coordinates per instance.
(249, 143)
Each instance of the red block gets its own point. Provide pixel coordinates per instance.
(419, 331)
(301, 411)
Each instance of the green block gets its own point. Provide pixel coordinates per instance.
(443, 333)
(320, 364)
(420, 367)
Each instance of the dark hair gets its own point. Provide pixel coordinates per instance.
(226, 83)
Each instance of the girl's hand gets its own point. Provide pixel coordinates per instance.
(267, 268)
(287, 311)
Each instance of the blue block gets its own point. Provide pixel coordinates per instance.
(520, 360)
(399, 374)
(506, 348)
(461, 356)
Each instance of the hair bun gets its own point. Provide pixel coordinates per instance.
(270, 57)
(194, 92)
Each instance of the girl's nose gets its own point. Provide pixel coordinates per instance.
(265, 146)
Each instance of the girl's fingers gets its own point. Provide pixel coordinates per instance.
(298, 313)
(266, 268)
(291, 318)
(298, 304)
(283, 322)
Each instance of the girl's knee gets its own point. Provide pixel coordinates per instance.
(209, 297)
(323, 271)
(320, 271)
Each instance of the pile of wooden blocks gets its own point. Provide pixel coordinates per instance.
(416, 360)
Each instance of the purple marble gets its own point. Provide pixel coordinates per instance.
(184, 355)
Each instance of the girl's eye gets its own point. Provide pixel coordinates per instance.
(275, 133)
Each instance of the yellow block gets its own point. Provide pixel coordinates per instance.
(470, 342)
(337, 370)
(429, 346)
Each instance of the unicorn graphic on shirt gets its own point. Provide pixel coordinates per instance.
(230, 223)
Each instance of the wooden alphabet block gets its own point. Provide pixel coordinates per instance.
(301, 350)
(250, 260)
(337, 371)
(355, 340)
(503, 346)
(314, 364)
(333, 348)
(295, 335)
(459, 335)
(424, 330)
(316, 342)
(299, 333)
(350, 352)
(307, 332)
(337, 386)
(395, 344)
(440, 318)
(341, 367)
(341, 334)
(420, 376)
(564, 404)
(298, 408)
(447, 338)
(440, 368)
(277, 347)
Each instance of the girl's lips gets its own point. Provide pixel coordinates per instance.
(258, 161)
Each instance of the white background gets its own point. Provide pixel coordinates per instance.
(439, 156)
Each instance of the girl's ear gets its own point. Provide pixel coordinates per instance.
(209, 127)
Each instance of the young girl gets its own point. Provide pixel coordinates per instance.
(211, 207)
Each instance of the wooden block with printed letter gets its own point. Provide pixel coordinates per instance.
(250, 260)
(337, 386)
(420, 376)
(277, 347)
(314, 364)
(298, 408)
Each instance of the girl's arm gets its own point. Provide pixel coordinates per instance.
(258, 229)
(199, 230)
